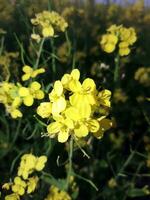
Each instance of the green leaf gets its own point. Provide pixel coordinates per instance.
(136, 192)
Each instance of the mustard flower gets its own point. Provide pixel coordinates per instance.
(30, 72)
(57, 98)
(75, 108)
(28, 94)
(44, 109)
(24, 183)
(8, 97)
(118, 37)
(109, 42)
(57, 194)
(12, 196)
(142, 75)
(49, 23)
(31, 184)
(19, 186)
(61, 127)
(29, 163)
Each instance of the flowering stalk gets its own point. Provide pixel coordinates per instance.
(39, 53)
(53, 56)
(117, 71)
(70, 161)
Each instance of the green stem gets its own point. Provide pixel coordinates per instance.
(70, 162)
(53, 57)
(39, 54)
(117, 71)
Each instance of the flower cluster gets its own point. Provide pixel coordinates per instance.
(29, 72)
(7, 61)
(57, 194)
(13, 95)
(23, 182)
(143, 76)
(118, 36)
(76, 108)
(119, 96)
(48, 22)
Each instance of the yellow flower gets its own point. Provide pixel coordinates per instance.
(32, 92)
(118, 36)
(112, 183)
(29, 163)
(35, 89)
(104, 98)
(31, 73)
(70, 79)
(19, 186)
(109, 42)
(16, 102)
(105, 124)
(49, 22)
(60, 127)
(57, 98)
(32, 184)
(48, 31)
(75, 108)
(142, 75)
(57, 194)
(28, 100)
(12, 196)
(36, 37)
(40, 163)
(23, 92)
(6, 186)
(84, 96)
(44, 109)
(15, 113)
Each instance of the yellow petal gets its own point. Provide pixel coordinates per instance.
(75, 74)
(81, 131)
(27, 69)
(88, 85)
(23, 92)
(53, 128)
(48, 31)
(39, 94)
(40, 163)
(35, 85)
(28, 100)
(58, 88)
(72, 113)
(45, 109)
(25, 77)
(58, 106)
(75, 86)
(93, 125)
(63, 136)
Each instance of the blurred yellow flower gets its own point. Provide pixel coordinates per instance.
(30, 72)
(118, 37)
(12, 196)
(29, 163)
(142, 75)
(49, 23)
(57, 194)
(19, 186)
(32, 184)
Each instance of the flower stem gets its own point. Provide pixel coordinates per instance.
(39, 54)
(70, 153)
(53, 57)
(117, 71)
